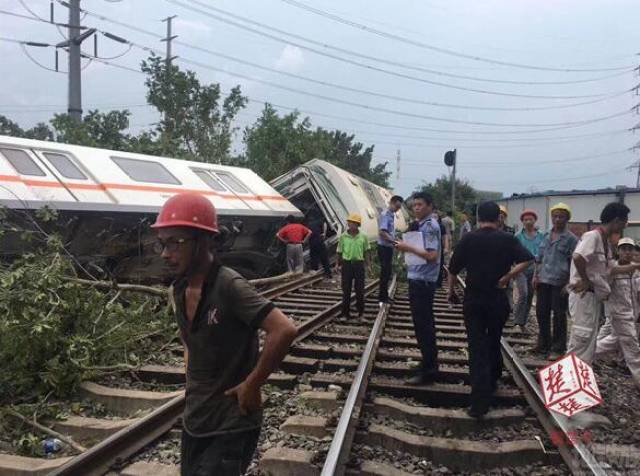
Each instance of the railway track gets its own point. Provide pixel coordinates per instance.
(311, 301)
(386, 427)
(340, 405)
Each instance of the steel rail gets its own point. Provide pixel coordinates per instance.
(124, 443)
(115, 450)
(309, 326)
(338, 455)
(280, 289)
(577, 457)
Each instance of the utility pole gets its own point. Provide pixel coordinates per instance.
(75, 67)
(73, 44)
(397, 169)
(168, 39)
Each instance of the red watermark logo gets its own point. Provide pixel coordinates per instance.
(569, 386)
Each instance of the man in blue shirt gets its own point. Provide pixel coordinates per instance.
(422, 284)
(386, 242)
(530, 238)
(553, 264)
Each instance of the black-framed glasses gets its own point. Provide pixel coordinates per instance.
(171, 245)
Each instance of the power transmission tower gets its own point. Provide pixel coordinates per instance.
(636, 166)
(168, 39)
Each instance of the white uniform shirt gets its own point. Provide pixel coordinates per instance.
(592, 248)
(623, 300)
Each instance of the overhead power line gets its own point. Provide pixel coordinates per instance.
(370, 57)
(515, 163)
(38, 19)
(376, 68)
(382, 109)
(371, 93)
(403, 127)
(446, 51)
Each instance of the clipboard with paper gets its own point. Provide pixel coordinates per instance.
(416, 239)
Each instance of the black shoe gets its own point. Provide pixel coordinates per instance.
(477, 412)
(421, 379)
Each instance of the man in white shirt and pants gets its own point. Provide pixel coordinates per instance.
(589, 280)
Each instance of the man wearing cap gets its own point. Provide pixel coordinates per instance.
(386, 242)
(589, 279)
(218, 314)
(551, 275)
(622, 310)
(530, 238)
(295, 236)
(422, 284)
(465, 227)
(504, 213)
(352, 254)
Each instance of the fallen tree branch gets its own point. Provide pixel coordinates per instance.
(162, 292)
(139, 288)
(44, 429)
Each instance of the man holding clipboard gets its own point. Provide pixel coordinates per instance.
(422, 255)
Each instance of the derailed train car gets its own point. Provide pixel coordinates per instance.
(320, 187)
(106, 200)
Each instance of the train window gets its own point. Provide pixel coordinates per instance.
(210, 180)
(21, 161)
(63, 164)
(232, 182)
(146, 171)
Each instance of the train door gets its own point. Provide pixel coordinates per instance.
(76, 179)
(42, 183)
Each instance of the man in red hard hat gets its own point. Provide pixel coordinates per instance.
(530, 238)
(218, 313)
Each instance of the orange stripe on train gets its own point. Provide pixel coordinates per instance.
(138, 188)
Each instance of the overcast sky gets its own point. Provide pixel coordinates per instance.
(537, 147)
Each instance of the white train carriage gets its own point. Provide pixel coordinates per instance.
(335, 192)
(107, 199)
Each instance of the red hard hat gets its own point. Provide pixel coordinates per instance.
(528, 211)
(189, 210)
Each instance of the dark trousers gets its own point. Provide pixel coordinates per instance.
(551, 299)
(385, 255)
(484, 318)
(222, 455)
(318, 255)
(421, 303)
(352, 271)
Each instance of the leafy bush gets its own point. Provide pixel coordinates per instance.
(54, 332)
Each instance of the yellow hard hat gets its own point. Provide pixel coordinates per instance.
(355, 218)
(561, 206)
(503, 209)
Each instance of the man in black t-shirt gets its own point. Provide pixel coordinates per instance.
(488, 255)
(219, 314)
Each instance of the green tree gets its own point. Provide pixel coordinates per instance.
(40, 131)
(197, 122)
(276, 144)
(440, 190)
(96, 129)
(344, 151)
